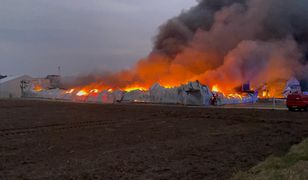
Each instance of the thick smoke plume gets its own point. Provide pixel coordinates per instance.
(226, 42)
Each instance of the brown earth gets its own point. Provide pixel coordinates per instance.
(52, 140)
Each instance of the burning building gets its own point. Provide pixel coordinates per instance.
(221, 43)
(192, 93)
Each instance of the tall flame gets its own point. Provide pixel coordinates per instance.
(215, 88)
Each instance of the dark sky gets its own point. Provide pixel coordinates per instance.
(81, 36)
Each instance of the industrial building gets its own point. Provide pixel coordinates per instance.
(14, 86)
(10, 86)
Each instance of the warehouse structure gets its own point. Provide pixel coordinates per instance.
(10, 86)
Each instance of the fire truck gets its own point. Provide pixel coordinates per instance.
(297, 101)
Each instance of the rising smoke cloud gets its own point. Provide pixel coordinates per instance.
(226, 42)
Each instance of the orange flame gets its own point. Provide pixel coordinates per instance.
(215, 88)
(230, 94)
(38, 88)
(219, 71)
(94, 91)
(235, 96)
(70, 91)
(134, 88)
(82, 93)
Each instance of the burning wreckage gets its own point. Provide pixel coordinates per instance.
(219, 42)
(192, 93)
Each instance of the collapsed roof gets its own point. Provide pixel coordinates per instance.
(192, 93)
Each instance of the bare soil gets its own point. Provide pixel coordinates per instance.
(54, 140)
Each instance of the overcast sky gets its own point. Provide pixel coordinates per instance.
(37, 36)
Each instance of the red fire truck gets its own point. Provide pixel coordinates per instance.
(297, 101)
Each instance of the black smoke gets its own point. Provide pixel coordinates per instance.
(226, 42)
(225, 24)
(177, 32)
(284, 18)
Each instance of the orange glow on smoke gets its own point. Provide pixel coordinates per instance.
(221, 72)
(187, 67)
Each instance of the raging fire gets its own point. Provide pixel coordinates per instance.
(216, 89)
(219, 55)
